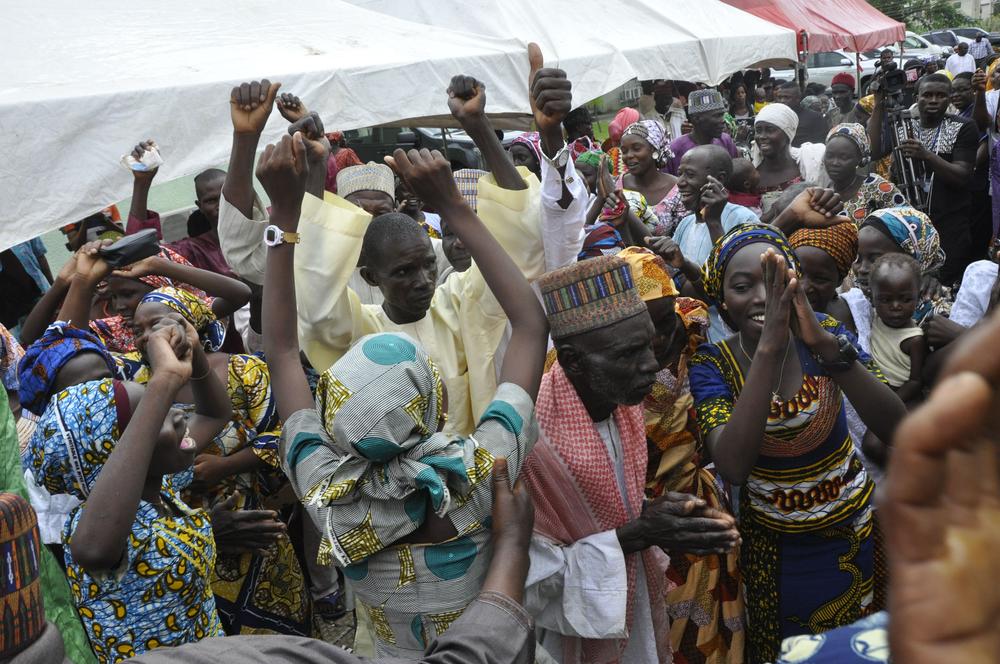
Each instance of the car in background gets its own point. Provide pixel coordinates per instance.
(945, 38)
(824, 65)
(971, 33)
(374, 143)
(914, 46)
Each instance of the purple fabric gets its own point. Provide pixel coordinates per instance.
(685, 143)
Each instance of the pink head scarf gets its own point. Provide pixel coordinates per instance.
(623, 119)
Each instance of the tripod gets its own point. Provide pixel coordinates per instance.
(908, 175)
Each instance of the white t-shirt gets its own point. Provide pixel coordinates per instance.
(956, 63)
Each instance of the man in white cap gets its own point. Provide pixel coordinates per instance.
(706, 112)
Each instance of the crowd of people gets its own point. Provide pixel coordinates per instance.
(628, 400)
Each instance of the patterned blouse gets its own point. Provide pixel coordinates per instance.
(808, 475)
(159, 595)
(874, 193)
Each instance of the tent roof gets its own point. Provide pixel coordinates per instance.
(852, 25)
(604, 43)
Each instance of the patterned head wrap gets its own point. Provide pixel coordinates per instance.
(650, 274)
(370, 177)
(533, 141)
(623, 119)
(75, 437)
(913, 231)
(855, 133)
(727, 246)
(694, 315)
(839, 241)
(781, 117)
(601, 240)
(653, 133)
(593, 159)
(195, 310)
(589, 295)
(22, 614)
(335, 137)
(43, 359)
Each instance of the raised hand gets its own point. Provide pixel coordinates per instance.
(163, 360)
(714, 197)
(137, 153)
(781, 285)
(942, 513)
(291, 107)
(466, 99)
(807, 328)
(317, 144)
(549, 92)
(143, 268)
(979, 81)
(667, 249)
(283, 170)
(251, 104)
(428, 175)
(244, 531)
(90, 265)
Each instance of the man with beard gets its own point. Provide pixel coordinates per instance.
(945, 147)
(595, 586)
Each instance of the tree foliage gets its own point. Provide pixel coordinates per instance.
(920, 15)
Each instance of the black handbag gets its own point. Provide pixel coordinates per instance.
(131, 249)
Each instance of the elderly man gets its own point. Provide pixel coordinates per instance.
(960, 60)
(706, 112)
(595, 586)
(980, 49)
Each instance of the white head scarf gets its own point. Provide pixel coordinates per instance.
(781, 117)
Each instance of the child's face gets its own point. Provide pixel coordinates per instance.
(894, 294)
(589, 174)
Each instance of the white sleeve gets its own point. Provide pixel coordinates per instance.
(562, 230)
(973, 297)
(578, 590)
(242, 240)
(991, 107)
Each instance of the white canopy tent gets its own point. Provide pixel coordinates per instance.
(82, 82)
(689, 40)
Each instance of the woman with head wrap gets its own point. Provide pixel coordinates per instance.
(256, 593)
(825, 256)
(645, 188)
(138, 558)
(770, 406)
(526, 150)
(894, 230)
(705, 602)
(625, 118)
(778, 163)
(847, 149)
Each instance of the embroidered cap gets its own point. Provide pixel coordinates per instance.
(704, 101)
(22, 618)
(589, 295)
(370, 177)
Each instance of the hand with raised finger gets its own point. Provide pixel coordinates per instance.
(428, 175)
(714, 197)
(291, 107)
(283, 170)
(467, 99)
(314, 135)
(250, 105)
(942, 513)
(549, 92)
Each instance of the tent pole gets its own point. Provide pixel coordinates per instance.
(857, 72)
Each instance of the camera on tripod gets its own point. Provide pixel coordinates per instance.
(892, 80)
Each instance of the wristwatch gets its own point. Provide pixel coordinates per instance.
(847, 354)
(273, 236)
(561, 158)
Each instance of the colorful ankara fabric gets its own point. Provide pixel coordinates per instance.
(22, 613)
(589, 295)
(839, 241)
(467, 180)
(856, 134)
(913, 231)
(649, 273)
(59, 607)
(576, 493)
(372, 482)
(582, 146)
(159, 595)
(863, 642)
(874, 194)
(196, 310)
(653, 133)
(254, 594)
(704, 598)
(714, 270)
(805, 509)
(10, 355)
(43, 359)
(601, 239)
(592, 158)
